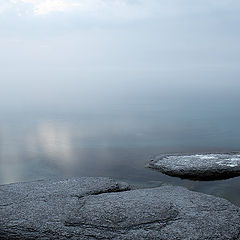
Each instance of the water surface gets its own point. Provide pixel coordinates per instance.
(112, 131)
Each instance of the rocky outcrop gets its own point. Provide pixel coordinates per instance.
(100, 208)
(209, 166)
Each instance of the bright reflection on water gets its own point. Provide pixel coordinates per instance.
(114, 143)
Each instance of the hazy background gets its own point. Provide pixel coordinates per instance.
(93, 87)
(87, 54)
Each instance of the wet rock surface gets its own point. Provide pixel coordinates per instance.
(100, 208)
(208, 166)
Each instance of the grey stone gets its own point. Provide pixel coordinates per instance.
(208, 166)
(100, 208)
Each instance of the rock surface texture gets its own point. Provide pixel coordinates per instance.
(209, 166)
(100, 208)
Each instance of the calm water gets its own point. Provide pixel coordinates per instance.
(116, 137)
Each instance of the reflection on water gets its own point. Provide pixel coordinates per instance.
(54, 142)
(115, 145)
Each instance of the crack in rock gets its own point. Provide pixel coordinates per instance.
(117, 188)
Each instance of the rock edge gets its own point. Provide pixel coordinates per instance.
(198, 166)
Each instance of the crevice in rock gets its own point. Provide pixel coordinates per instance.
(6, 205)
(117, 188)
(124, 230)
(93, 236)
(163, 221)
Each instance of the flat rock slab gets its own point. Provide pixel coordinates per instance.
(209, 166)
(100, 208)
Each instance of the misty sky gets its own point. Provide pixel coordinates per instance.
(63, 51)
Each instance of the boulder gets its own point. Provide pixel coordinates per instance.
(202, 166)
(101, 208)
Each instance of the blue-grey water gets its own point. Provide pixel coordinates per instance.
(112, 131)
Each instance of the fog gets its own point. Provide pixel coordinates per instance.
(67, 54)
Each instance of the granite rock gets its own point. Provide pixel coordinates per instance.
(101, 208)
(202, 166)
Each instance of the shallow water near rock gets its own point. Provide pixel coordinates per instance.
(114, 143)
